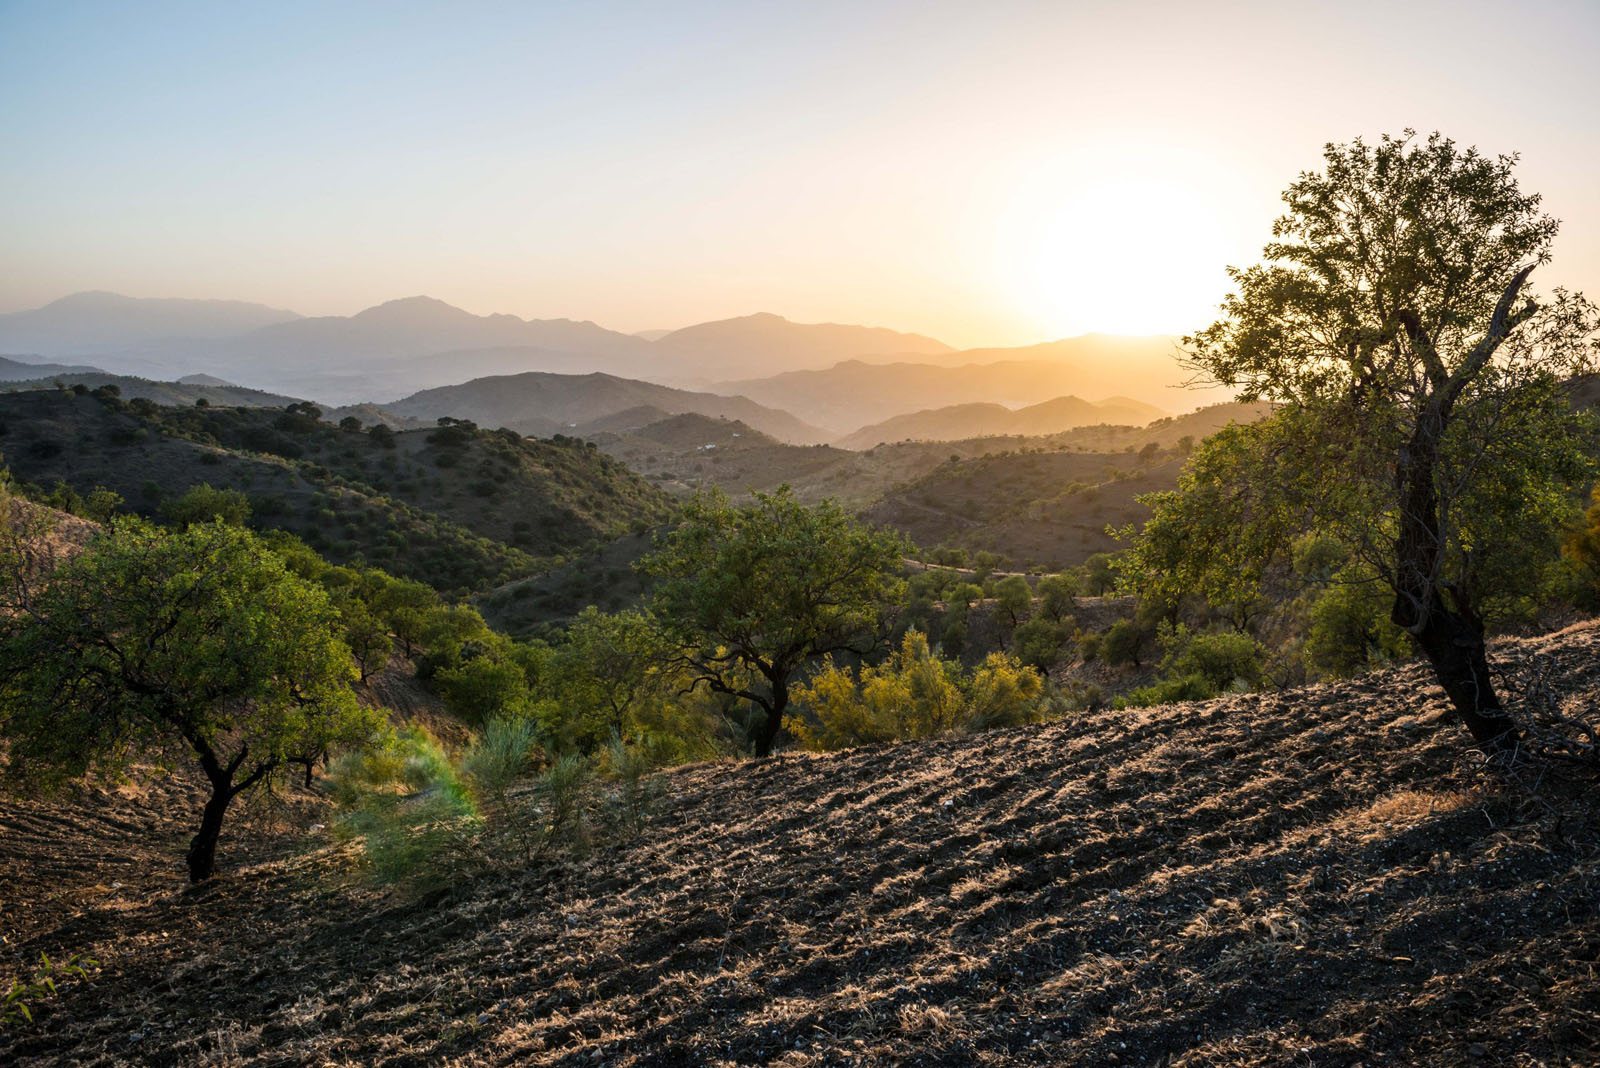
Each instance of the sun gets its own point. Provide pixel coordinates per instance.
(1125, 254)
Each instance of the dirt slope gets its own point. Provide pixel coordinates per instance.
(1313, 878)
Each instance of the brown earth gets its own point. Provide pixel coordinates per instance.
(1318, 877)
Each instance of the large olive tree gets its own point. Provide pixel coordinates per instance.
(1422, 417)
(155, 645)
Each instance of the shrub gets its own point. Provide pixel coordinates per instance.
(913, 694)
(1123, 643)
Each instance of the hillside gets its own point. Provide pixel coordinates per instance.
(544, 404)
(1314, 877)
(984, 420)
(459, 509)
(166, 393)
(1045, 508)
(12, 370)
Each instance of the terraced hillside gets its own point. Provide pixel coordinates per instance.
(1318, 877)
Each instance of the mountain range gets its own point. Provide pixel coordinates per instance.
(837, 377)
(414, 343)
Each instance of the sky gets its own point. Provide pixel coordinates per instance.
(987, 173)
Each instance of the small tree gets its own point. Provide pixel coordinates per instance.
(151, 644)
(612, 662)
(747, 596)
(1422, 421)
(1015, 599)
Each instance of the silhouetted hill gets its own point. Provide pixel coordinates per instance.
(981, 420)
(13, 370)
(855, 393)
(539, 403)
(88, 324)
(766, 344)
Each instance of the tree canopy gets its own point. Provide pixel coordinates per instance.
(1422, 419)
(745, 596)
(155, 645)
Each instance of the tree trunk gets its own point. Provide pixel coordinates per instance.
(1456, 650)
(1452, 640)
(202, 855)
(767, 733)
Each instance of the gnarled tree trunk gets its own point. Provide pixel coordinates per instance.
(1450, 637)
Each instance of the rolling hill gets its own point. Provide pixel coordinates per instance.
(457, 508)
(1308, 877)
(541, 403)
(984, 420)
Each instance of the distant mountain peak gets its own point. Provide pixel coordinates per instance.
(413, 308)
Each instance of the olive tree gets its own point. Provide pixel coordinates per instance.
(1421, 419)
(747, 596)
(155, 645)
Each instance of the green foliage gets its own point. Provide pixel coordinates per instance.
(1349, 627)
(1201, 666)
(1015, 598)
(494, 763)
(203, 504)
(611, 666)
(1099, 576)
(1423, 426)
(1123, 643)
(1057, 597)
(747, 596)
(912, 694)
(637, 789)
(1039, 641)
(151, 643)
(17, 1004)
(1582, 548)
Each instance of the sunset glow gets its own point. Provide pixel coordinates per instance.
(984, 174)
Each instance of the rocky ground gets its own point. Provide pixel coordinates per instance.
(1318, 877)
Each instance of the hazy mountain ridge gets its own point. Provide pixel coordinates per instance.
(537, 402)
(984, 419)
(826, 374)
(732, 346)
(97, 322)
(855, 394)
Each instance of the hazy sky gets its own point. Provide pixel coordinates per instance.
(984, 172)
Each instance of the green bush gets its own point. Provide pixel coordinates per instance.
(914, 694)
